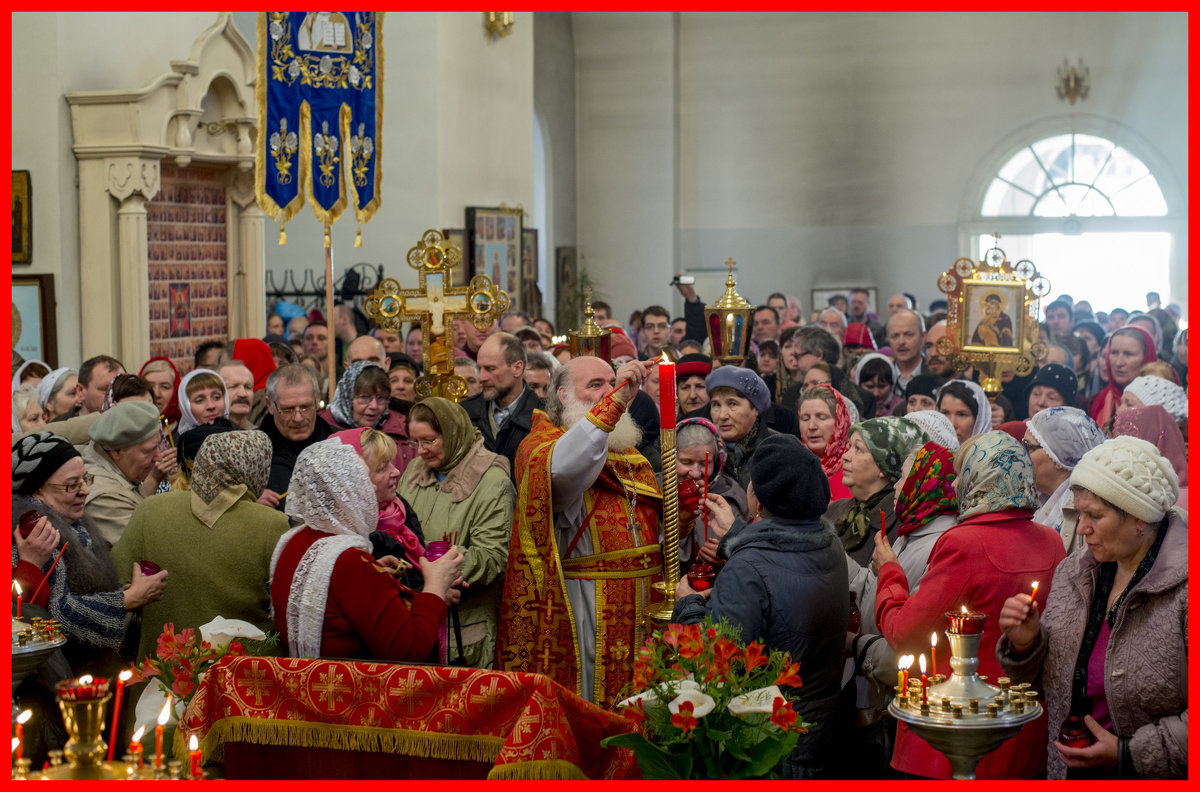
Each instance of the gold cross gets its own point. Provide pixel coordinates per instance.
(546, 656)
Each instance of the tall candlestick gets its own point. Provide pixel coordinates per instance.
(933, 653)
(924, 681)
(194, 756)
(163, 717)
(22, 719)
(135, 746)
(122, 678)
(666, 393)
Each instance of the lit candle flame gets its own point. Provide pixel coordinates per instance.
(137, 735)
(933, 639)
(24, 717)
(17, 586)
(165, 715)
(906, 662)
(1035, 588)
(964, 610)
(16, 742)
(193, 744)
(125, 675)
(86, 679)
(664, 359)
(921, 663)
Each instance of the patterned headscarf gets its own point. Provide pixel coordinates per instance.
(994, 474)
(929, 489)
(343, 398)
(839, 441)
(187, 420)
(721, 455)
(1065, 434)
(231, 459)
(458, 433)
(1156, 426)
(890, 440)
(331, 491)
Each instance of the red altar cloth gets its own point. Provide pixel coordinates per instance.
(521, 726)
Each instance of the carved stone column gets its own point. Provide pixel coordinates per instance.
(133, 275)
(247, 286)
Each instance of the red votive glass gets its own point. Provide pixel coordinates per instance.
(689, 495)
(149, 568)
(1075, 733)
(701, 576)
(435, 550)
(965, 623)
(27, 521)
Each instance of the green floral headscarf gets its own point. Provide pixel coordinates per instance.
(995, 473)
(890, 440)
(458, 433)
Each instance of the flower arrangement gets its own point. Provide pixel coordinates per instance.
(710, 707)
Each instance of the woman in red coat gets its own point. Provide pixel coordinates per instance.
(995, 551)
(330, 597)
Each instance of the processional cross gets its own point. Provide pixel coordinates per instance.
(434, 303)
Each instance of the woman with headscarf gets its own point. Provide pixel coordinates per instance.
(825, 419)
(877, 374)
(694, 439)
(215, 540)
(1052, 386)
(329, 596)
(737, 399)
(84, 593)
(1056, 439)
(871, 465)
(1111, 643)
(363, 400)
(1147, 390)
(30, 372)
(921, 393)
(58, 394)
(162, 375)
(995, 549)
(202, 399)
(967, 407)
(939, 428)
(1156, 426)
(926, 507)
(461, 490)
(1127, 350)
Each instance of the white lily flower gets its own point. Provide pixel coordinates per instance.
(701, 703)
(221, 631)
(754, 702)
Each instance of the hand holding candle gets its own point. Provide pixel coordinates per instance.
(1033, 594)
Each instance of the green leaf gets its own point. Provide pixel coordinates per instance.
(655, 763)
(767, 755)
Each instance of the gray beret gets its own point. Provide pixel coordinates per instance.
(742, 380)
(126, 424)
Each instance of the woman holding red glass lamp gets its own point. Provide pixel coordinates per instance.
(995, 550)
(1111, 648)
(699, 451)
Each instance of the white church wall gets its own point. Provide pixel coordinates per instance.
(837, 149)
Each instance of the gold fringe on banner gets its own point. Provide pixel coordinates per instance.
(541, 770)
(358, 237)
(265, 731)
(282, 236)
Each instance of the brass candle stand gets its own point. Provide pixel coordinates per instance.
(964, 717)
(661, 616)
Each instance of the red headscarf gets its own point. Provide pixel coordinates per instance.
(1156, 426)
(929, 489)
(256, 354)
(1105, 402)
(831, 460)
(172, 410)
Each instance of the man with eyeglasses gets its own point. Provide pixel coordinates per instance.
(122, 458)
(293, 394)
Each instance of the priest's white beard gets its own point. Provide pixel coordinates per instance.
(627, 434)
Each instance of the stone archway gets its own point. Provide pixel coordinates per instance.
(197, 118)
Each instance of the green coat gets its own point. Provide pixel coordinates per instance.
(476, 499)
(219, 571)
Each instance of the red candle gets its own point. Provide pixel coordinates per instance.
(704, 502)
(933, 653)
(666, 393)
(122, 678)
(22, 719)
(17, 587)
(163, 717)
(135, 746)
(194, 756)
(1033, 594)
(924, 680)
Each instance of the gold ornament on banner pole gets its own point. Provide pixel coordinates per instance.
(992, 317)
(435, 303)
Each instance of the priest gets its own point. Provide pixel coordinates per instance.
(585, 541)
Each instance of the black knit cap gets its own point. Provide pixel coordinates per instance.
(1059, 377)
(37, 457)
(924, 385)
(788, 480)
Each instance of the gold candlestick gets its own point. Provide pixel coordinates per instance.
(661, 616)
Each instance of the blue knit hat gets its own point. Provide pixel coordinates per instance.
(742, 380)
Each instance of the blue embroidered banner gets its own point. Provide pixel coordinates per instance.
(320, 112)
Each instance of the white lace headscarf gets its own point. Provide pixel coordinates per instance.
(187, 420)
(983, 418)
(331, 492)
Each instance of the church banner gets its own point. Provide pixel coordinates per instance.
(320, 113)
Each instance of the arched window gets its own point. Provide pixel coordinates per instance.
(1088, 212)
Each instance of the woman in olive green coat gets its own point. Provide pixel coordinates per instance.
(463, 491)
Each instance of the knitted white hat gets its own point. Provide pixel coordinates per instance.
(1130, 474)
(1156, 390)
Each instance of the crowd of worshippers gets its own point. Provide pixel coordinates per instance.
(857, 488)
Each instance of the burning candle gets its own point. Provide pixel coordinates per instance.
(924, 680)
(965, 623)
(17, 588)
(22, 719)
(163, 717)
(135, 746)
(666, 393)
(905, 662)
(1033, 594)
(704, 502)
(122, 678)
(933, 652)
(194, 755)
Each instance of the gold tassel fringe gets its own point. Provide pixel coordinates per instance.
(358, 237)
(282, 236)
(541, 770)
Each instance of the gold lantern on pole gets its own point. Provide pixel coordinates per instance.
(591, 339)
(729, 321)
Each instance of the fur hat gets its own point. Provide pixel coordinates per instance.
(1130, 474)
(742, 380)
(1156, 390)
(788, 480)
